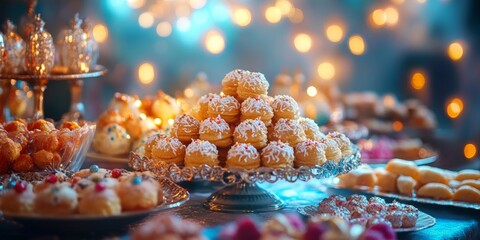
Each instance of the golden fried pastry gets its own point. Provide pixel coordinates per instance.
(406, 185)
(126, 105)
(402, 167)
(201, 152)
(137, 194)
(342, 141)
(70, 125)
(311, 129)
(22, 138)
(467, 174)
(253, 108)
(108, 117)
(277, 155)
(186, 128)
(24, 163)
(217, 131)
(41, 125)
(9, 150)
(332, 151)
(230, 82)
(42, 159)
(165, 149)
(243, 155)
(252, 84)
(112, 139)
(386, 181)
(136, 126)
(365, 177)
(288, 131)
(284, 106)
(99, 201)
(469, 182)
(427, 174)
(44, 141)
(226, 106)
(467, 194)
(309, 153)
(18, 199)
(251, 131)
(57, 200)
(15, 126)
(435, 191)
(203, 105)
(165, 107)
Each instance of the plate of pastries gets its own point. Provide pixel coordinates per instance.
(243, 127)
(279, 226)
(40, 145)
(357, 209)
(91, 199)
(128, 122)
(378, 150)
(406, 181)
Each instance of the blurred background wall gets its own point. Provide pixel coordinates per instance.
(426, 49)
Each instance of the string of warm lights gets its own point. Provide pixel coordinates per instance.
(166, 17)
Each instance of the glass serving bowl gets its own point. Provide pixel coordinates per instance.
(43, 152)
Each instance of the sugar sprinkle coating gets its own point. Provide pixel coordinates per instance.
(243, 151)
(276, 149)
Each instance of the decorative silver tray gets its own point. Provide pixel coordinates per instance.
(174, 195)
(424, 220)
(242, 193)
(375, 191)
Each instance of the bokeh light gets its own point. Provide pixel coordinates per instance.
(378, 17)
(356, 45)
(214, 42)
(334, 33)
(455, 51)
(135, 3)
(296, 15)
(197, 4)
(470, 150)
(421, 1)
(145, 20)
(312, 91)
(164, 29)
(273, 14)
(302, 42)
(146, 73)
(418, 80)
(326, 70)
(284, 6)
(183, 24)
(242, 17)
(391, 16)
(188, 92)
(454, 107)
(100, 33)
(397, 126)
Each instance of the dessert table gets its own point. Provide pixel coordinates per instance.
(452, 223)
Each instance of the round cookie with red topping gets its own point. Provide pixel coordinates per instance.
(252, 84)
(165, 149)
(256, 107)
(284, 106)
(19, 199)
(252, 131)
(225, 106)
(230, 82)
(99, 200)
(243, 155)
(186, 128)
(201, 152)
(217, 131)
(277, 155)
(309, 153)
(288, 131)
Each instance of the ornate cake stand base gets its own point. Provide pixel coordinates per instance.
(243, 197)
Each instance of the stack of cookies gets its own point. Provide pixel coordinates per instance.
(244, 127)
